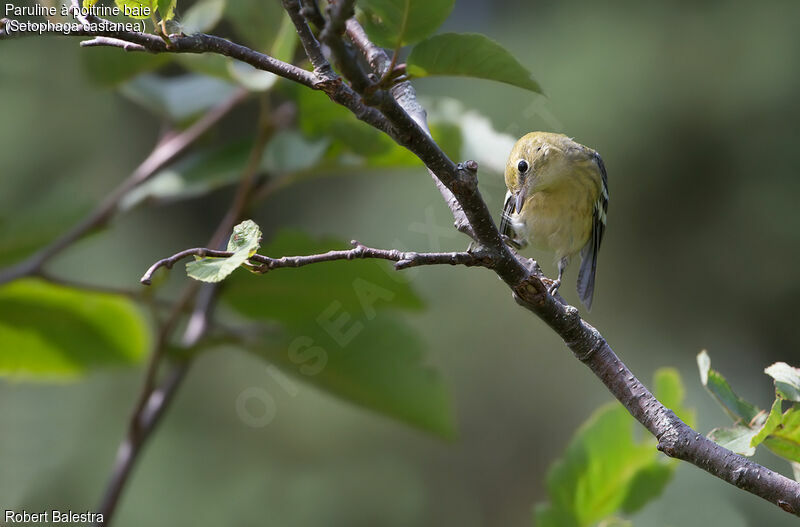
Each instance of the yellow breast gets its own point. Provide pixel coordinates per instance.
(558, 219)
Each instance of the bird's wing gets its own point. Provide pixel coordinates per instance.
(589, 252)
(505, 221)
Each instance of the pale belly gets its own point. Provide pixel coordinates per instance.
(556, 222)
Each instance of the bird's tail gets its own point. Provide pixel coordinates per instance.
(586, 275)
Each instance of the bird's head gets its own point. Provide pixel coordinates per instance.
(531, 162)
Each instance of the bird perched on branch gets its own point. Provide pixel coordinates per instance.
(557, 201)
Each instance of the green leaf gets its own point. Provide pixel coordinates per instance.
(202, 16)
(382, 368)
(736, 439)
(785, 439)
(392, 23)
(109, 67)
(341, 333)
(53, 332)
(243, 243)
(772, 422)
(670, 391)
(605, 470)
(166, 8)
(468, 55)
(211, 169)
(89, 3)
(138, 9)
(178, 98)
(787, 380)
(545, 515)
(715, 383)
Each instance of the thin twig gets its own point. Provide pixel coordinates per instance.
(154, 398)
(263, 264)
(406, 97)
(395, 112)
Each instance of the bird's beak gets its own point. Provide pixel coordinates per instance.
(519, 200)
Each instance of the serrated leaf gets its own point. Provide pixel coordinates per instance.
(243, 243)
(468, 55)
(178, 98)
(341, 334)
(605, 470)
(715, 383)
(392, 23)
(54, 332)
(787, 380)
(202, 16)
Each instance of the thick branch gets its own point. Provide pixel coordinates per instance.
(675, 437)
(395, 112)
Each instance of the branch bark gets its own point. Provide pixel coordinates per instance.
(396, 112)
(263, 264)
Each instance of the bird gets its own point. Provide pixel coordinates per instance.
(557, 201)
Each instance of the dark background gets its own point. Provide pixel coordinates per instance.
(694, 109)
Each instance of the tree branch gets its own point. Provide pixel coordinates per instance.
(396, 113)
(406, 97)
(154, 398)
(676, 439)
(263, 264)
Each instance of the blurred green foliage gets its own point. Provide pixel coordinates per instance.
(691, 105)
(605, 470)
(779, 431)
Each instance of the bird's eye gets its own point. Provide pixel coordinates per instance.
(522, 166)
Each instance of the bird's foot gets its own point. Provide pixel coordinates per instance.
(553, 288)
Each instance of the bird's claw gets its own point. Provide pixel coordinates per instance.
(553, 289)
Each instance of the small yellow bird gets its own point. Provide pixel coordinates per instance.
(557, 201)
